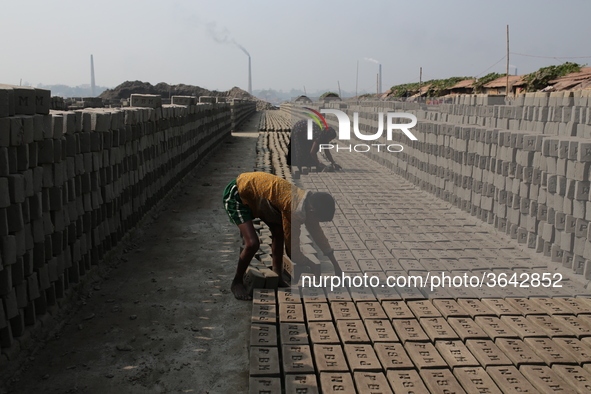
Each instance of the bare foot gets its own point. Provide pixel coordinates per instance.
(240, 291)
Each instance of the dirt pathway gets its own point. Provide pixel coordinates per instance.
(164, 319)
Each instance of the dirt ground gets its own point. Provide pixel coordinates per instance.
(163, 320)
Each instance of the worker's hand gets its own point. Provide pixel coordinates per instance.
(337, 268)
(306, 265)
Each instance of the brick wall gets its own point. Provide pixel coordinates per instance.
(73, 183)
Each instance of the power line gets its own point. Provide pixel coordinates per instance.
(500, 60)
(429, 77)
(553, 57)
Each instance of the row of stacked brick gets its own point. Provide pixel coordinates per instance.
(263, 158)
(272, 149)
(241, 110)
(279, 143)
(273, 120)
(72, 184)
(523, 168)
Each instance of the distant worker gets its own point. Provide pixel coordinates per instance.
(304, 152)
(284, 208)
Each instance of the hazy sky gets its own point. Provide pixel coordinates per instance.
(315, 44)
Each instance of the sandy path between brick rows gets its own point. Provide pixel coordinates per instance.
(163, 320)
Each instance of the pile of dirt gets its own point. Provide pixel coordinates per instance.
(264, 105)
(127, 88)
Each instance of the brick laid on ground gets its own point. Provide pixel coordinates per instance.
(549, 351)
(337, 383)
(409, 330)
(263, 335)
(330, 358)
(518, 351)
(362, 357)
(323, 332)
(487, 353)
(476, 380)
(406, 381)
(297, 359)
(456, 354)
(372, 382)
(424, 355)
(380, 331)
(264, 361)
(260, 385)
(293, 334)
(441, 381)
(509, 380)
(301, 384)
(574, 375)
(544, 379)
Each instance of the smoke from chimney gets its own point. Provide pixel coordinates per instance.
(221, 36)
(379, 81)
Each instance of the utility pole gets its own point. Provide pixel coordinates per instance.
(420, 80)
(380, 79)
(357, 78)
(338, 83)
(507, 79)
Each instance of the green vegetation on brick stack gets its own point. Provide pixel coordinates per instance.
(539, 79)
(436, 87)
(480, 82)
(405, 90)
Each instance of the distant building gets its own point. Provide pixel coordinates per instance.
(499, 85)
(303, 99)
(573, 81)
(462, 87)
(422, 91)
(330, 97)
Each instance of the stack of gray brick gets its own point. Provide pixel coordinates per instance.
(73, 183)
(241, 110)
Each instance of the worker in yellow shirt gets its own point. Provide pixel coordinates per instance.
(284, 208)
